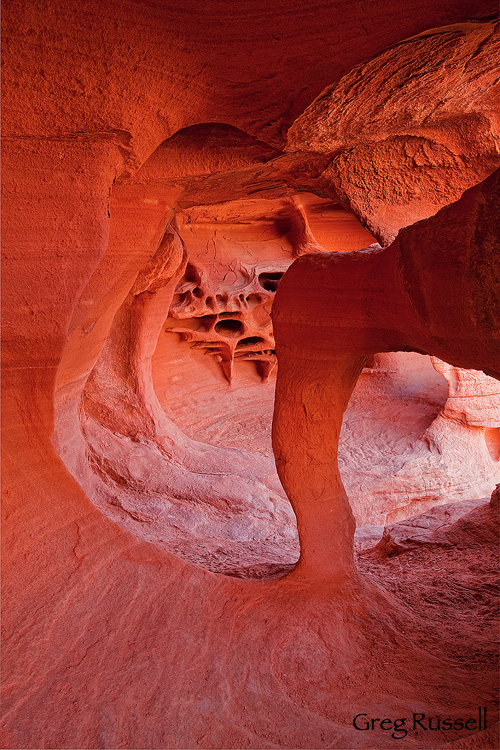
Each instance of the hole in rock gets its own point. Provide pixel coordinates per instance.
(283, 225)
(180, 299)
(191, 274)
(254, 299)
(198, 292)
(249, 341)
(229, 328)
(270, 281)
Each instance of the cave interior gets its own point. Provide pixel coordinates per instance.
(250, 379)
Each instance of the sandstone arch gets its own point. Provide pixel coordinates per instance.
(322, 352)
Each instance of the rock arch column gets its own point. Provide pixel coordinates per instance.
(434, 291)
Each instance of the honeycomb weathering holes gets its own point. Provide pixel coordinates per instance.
(228, 314)
(270, 281)
(191, 274)
(228, 327)
(249, 341)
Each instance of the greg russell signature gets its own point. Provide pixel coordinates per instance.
(399, 728)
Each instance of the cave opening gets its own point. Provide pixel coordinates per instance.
(196, 384)
(214, 387)
(209, 392)
(229, 327)
(270, 281)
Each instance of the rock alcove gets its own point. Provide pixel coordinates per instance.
(163, 430)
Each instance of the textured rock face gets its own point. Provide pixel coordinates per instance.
(440, 526)
(394, 146)
(223, 302)
(236, 258)
(118, 119)
(473, 397)
(400, 450)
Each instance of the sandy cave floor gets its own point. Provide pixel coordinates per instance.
(453, 590)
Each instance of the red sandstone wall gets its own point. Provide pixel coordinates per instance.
(110, 641)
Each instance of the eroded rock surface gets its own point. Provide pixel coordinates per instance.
(433, 527)
(142, 470)
(401, 151)
(111, 640)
